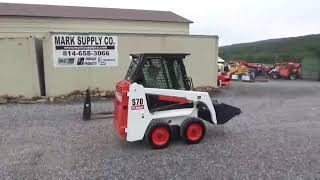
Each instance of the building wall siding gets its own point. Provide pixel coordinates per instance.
(26, 26)
(201, 65)
(18, 67)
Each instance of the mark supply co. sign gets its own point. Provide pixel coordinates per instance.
(84, 50)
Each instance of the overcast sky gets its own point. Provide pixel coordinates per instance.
(234, 21)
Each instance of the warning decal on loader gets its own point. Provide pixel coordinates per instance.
(84, 50)
(137, 104)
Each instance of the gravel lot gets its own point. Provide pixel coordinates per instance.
(276, 137)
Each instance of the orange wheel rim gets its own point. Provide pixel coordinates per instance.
(160, 136)
(194, 131)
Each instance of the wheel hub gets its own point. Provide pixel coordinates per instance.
(194, 132)
(160, 136)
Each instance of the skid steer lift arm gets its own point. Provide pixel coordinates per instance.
(197, 98)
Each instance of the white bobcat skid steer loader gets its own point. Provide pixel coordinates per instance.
(156, 95)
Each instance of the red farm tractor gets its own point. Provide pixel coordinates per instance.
(288, 70)
(258, 69)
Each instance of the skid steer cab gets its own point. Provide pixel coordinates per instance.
(157, 95)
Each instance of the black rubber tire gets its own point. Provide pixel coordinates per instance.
(293, 77)
(275, 76)
(184, 126)
(148, 135)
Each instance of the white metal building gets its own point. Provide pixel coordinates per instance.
(28, 50)
(24, 19)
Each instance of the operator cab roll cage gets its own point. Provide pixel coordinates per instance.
(159, 70)
(162, 71)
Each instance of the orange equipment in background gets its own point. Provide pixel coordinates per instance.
(288, 70)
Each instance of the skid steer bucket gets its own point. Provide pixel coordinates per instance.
(225, 112)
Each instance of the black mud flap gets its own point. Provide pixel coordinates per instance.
(225, 112)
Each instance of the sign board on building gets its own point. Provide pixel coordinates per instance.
(85, 50)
